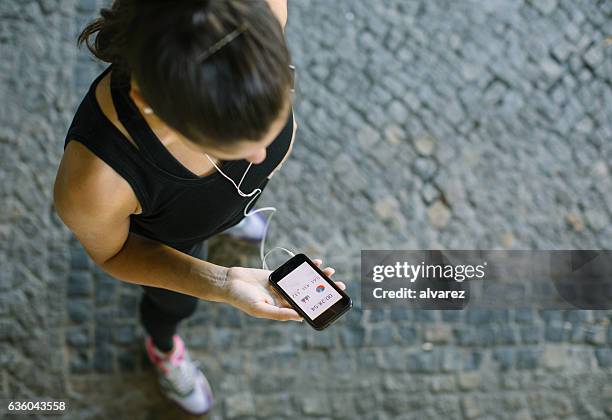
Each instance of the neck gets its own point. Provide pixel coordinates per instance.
(161, 130)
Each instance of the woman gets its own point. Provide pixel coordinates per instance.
(195, 91)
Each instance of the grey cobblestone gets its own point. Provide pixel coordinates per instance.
(423, 125)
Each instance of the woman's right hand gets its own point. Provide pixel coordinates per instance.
(249, 290)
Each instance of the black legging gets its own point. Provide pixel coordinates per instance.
(161, 310)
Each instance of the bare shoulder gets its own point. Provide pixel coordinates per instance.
(93, 201)
(85, 180)
(279, 8)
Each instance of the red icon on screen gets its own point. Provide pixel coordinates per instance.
(320, 288)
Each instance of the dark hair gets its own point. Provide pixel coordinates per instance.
(233, 94)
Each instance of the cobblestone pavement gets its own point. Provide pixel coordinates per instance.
(423, 124)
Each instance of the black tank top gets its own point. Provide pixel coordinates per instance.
(179, 208)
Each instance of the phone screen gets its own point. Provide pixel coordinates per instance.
(309, 290)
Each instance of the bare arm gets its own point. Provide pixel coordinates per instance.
(279, 8)
(151, 263)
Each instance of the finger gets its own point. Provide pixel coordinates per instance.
(265, 310)
(317, 262)
(328, 271)
(340, 285)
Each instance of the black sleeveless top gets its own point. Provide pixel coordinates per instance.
(179, 208)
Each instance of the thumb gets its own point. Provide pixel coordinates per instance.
(266, 310)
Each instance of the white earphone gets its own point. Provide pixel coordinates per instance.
(255, 193)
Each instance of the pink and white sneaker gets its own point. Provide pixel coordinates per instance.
(250, 229)
(180, 378)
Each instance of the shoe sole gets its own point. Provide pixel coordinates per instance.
(183, 409)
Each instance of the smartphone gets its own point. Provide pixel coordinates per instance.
(311, 293)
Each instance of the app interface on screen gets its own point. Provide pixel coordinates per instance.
(309, 290)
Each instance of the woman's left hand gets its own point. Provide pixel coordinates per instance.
(249, 290)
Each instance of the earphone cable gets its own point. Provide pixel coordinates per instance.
(255, 193)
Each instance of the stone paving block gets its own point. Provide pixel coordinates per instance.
(241, 404)
(80, 311)
(80, 284)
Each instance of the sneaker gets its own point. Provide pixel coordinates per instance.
(180, 378)
(250, 229)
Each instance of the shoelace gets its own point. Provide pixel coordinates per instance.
(183, 375)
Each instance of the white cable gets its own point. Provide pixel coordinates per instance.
(255, 193)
